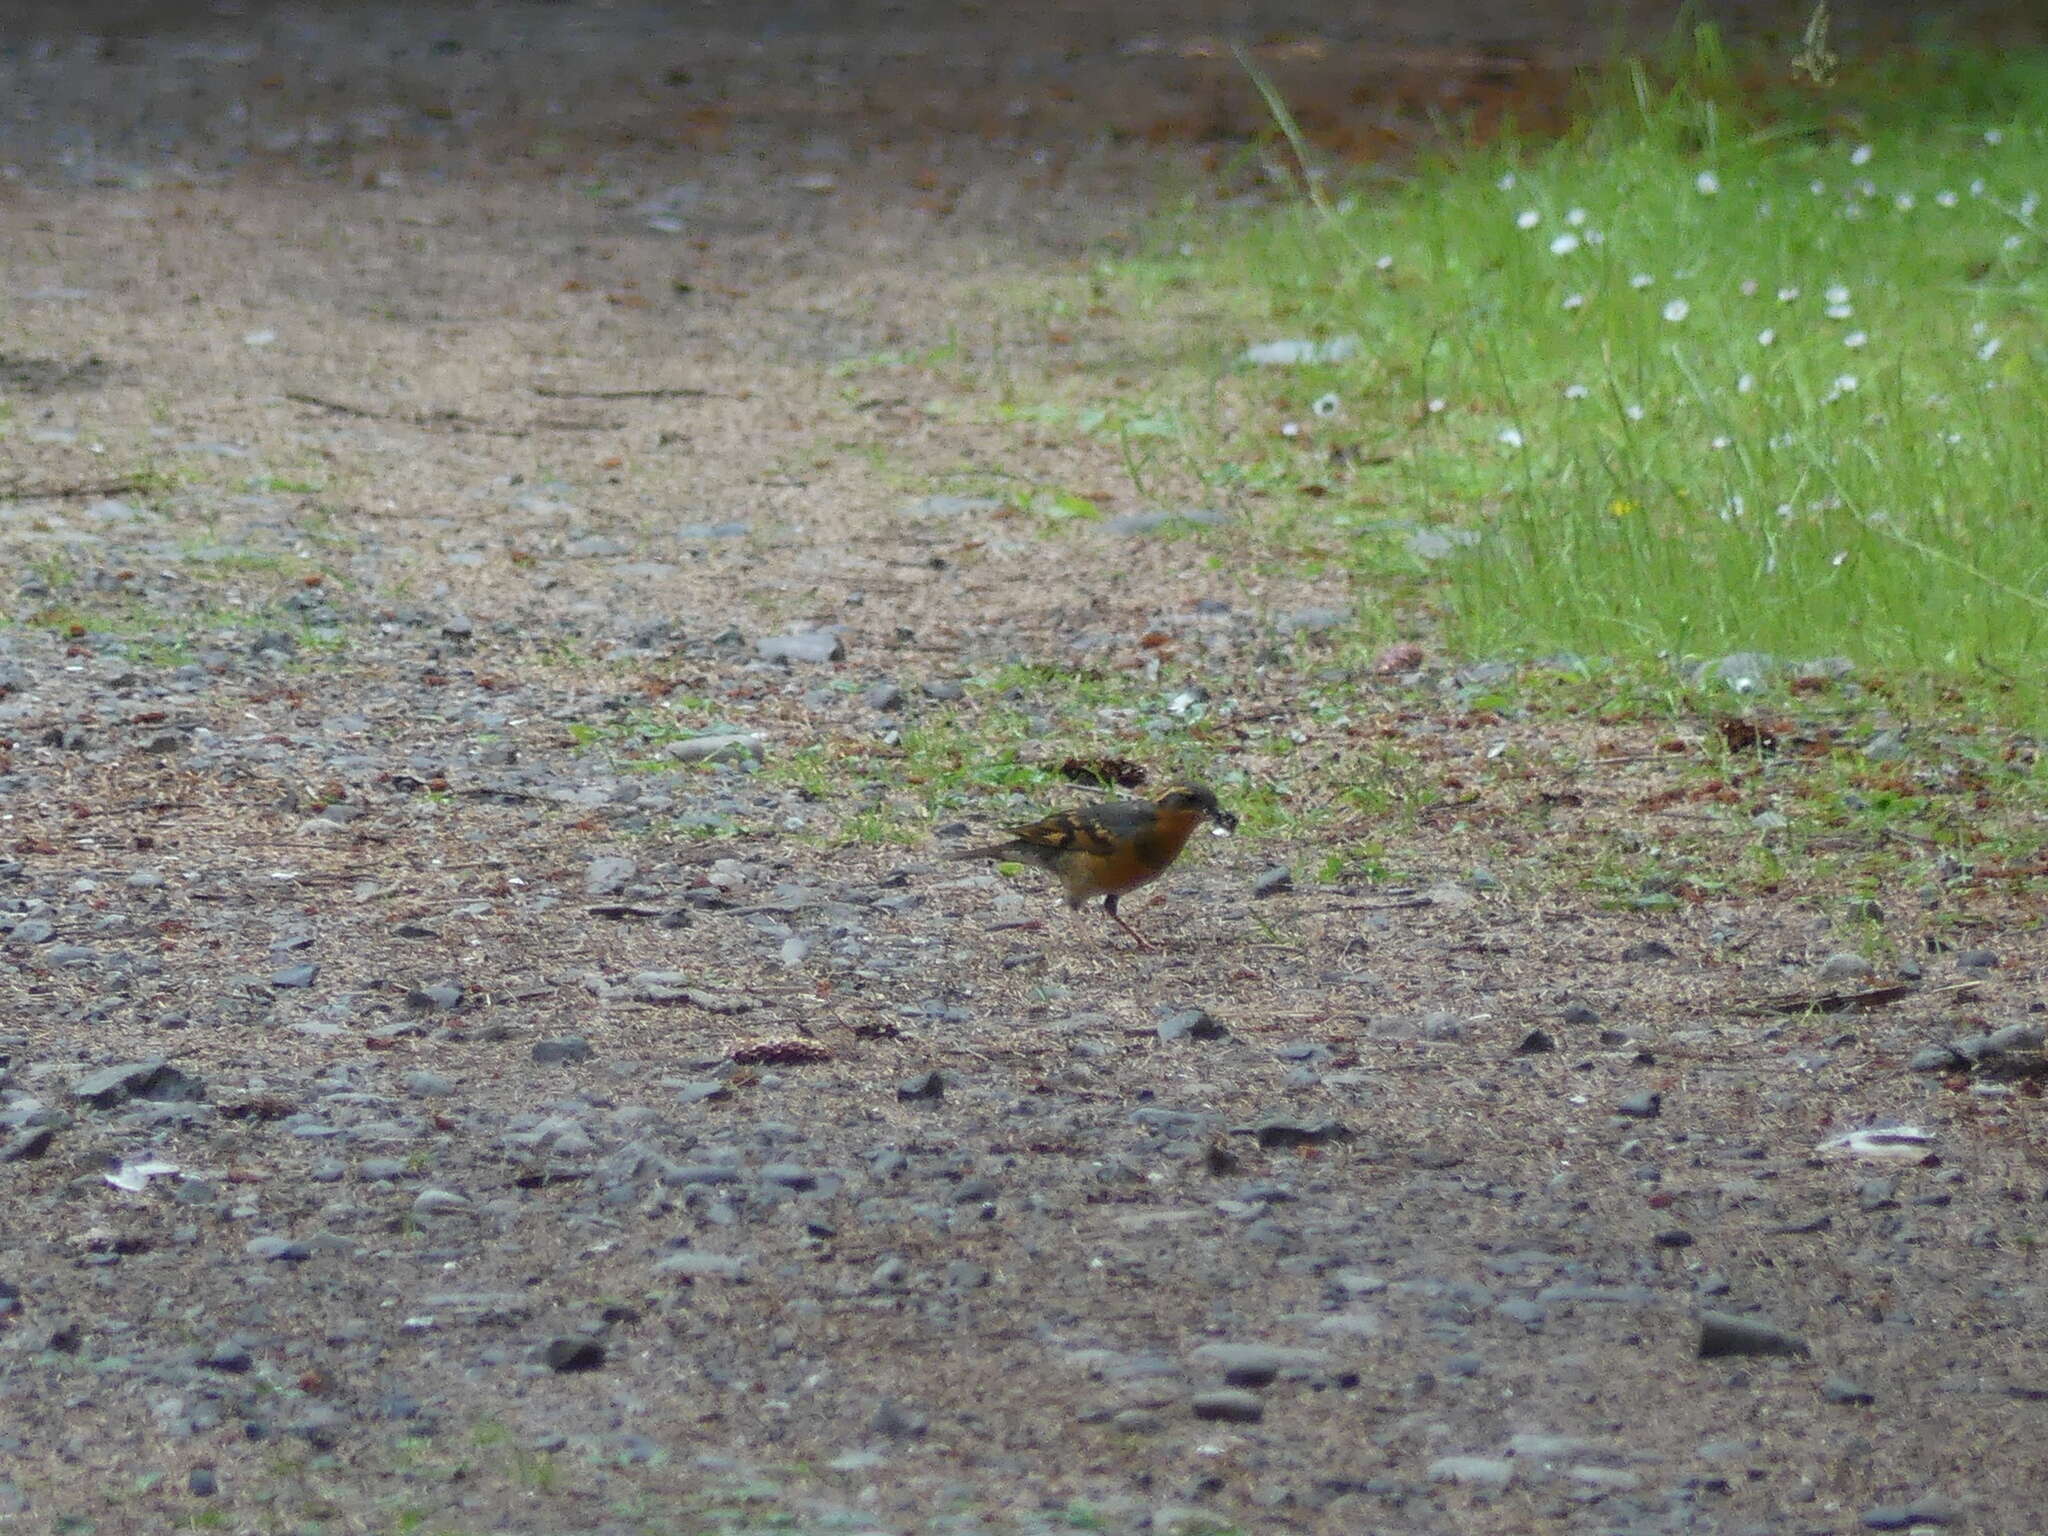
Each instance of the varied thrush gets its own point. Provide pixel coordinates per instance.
(1109, 849)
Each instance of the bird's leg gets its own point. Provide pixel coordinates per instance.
(1109, 906)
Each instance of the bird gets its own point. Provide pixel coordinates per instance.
(1111, 848)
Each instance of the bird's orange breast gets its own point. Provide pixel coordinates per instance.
(1128, 862)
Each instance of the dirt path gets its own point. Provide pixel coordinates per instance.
(462, 404)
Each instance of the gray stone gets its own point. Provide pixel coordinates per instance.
(1743, 671)
(1257, 1365)
(230, 1356)
(717, 747)
(1929, 1509)
(809, 645)
(2019, 1037)
(561, 1050)
(1724, 1333)
(1472, 1471)
(607, 876)
(1295, 352)
(1312, 621)
(1191, 1024)
(935, 507)
(277, 1248)
(1279, 1131)
(1641, 1106)
(1846, 965)
(571, 1352)
(689, 1264)
(155, 1079)
(1228, 1405)
(1154, 521)
(26, 1146)
(1273, 881)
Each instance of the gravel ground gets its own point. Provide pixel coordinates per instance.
(420, 1111)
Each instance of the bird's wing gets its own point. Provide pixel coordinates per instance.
(1097, 829)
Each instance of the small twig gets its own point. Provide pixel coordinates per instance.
(337, 406)
(1914, 839)
(548, 392)
(22, 491)
(452, 421)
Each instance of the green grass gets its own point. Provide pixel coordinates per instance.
(1718, 372)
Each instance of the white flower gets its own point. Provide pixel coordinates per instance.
(1564, 244)
(1290, 429)
(1903, 202)
(1595, 237)
(1846, 382)
(1747, 288)
(2030, 204)
(1641, 280)
(2011, 243)
(1507, 182)
(1575, 217)
(1836, 294)
(1677, 310)
(1632, 412)
(1980, 328)
(1787, 295)
(1994, 137)
(1989, 350)
(1840, 311)
(1745, 384)
(1384, 264)
(1856, 339)
(1576, 392)
(1765, 337)
(1866, 188)
(1946, 198)
(1706, 183)
(1511, 436)
(1977, 187)
(1721, 442)
(1325, 405)
(1528, 218)
(1573, 301)
(1436, 406)
(1816, 187)
(1838, 557)
(1860, 155)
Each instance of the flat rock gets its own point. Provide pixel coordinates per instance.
(1725, 1333)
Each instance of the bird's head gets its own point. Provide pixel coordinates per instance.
(1200, 799)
